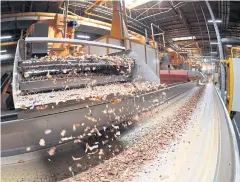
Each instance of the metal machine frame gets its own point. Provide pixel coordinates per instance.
(230, 80)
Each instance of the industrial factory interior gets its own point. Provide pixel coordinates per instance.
(120, 91)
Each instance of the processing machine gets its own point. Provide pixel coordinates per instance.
(58, 100)
(62, 96)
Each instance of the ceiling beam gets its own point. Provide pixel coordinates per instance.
(182, 17)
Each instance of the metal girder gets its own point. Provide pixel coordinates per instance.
(148, 9)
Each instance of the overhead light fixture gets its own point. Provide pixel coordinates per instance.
(184, 38)
(2, 51)
(213, 43)
(6, 37)
(6, 56)
(213, 52)
(130, 4)
(83, 36)
(217, 21)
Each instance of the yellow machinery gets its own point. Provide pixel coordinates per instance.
(58, 24)
(232, 81)
(56, 30)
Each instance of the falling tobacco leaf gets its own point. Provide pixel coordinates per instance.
(48, 132)
(74, 128)
(22, 106)
(116, 101)
(90, 148)
(111, 111)
(26, 75)
(101, 152)
(91, 119)
(104, 111)
(104, 128)
(78, 165)
(115, 127)
(104, 142)
(77, 141)
(41, 107)
(52, 150)
(49, 76)
(67, 138)
(42, 142)
(97, 131)
(104, 97)
(77, 125)
(76, 159)
(63, 132)
(97, 99)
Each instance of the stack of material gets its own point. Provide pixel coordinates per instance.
(98, 94)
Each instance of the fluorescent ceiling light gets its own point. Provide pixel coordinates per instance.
(2, 51)
(83, 36)
(213, 43)
(6, 56)
(184, 38)
(217, 21)
(134, 3)
(6, 37)
(213, 52)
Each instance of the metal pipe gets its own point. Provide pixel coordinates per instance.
(97, 2)
(223, 76)
(230, 41)
(136, 22)
(152, 32)
(8, 43)
(65, 18)
(71, 41)
(199, 29)
(209, 38)
(146, 35)
(176, 6)
(164, 44)
(152, 24)
(153, 35)
(148, 9)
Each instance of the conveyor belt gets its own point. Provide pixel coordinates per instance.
(30, 129)
(207, 152)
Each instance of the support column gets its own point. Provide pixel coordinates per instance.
(119, 28)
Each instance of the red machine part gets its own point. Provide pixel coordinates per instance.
(173, 76)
